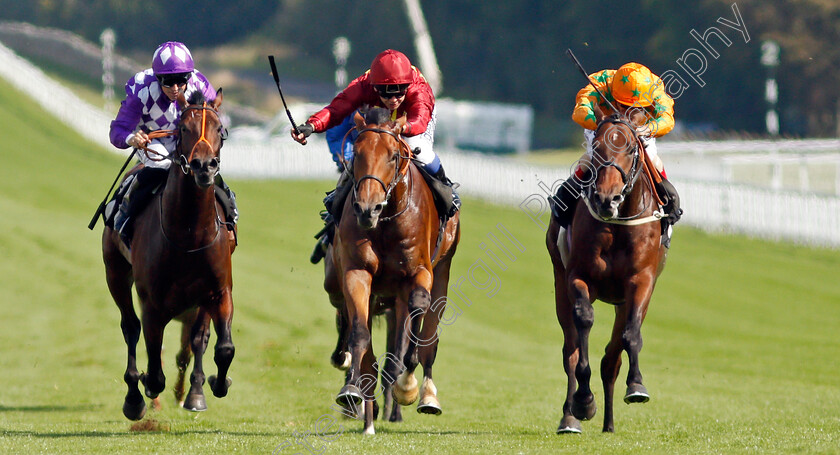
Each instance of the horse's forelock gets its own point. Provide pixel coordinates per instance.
(377, 116)
(197, 97)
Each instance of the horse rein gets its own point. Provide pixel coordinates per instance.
(628, 180)
(400, 170)
(181, 160)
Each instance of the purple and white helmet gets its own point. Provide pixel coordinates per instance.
(172, 57)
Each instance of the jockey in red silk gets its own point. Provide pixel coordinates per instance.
(392, 83)
(150, 104)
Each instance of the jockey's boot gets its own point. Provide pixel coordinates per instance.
(564, 202)
(227, 198)
(453, 204)
(672, 202)
(334, 203)
(138, 194)
(324, 237)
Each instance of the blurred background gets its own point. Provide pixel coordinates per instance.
(757, 108)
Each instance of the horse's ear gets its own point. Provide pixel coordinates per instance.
(182, 101)
(637, 116)
(360, 121)
(402, 124)
(217, 103)
(599, 114)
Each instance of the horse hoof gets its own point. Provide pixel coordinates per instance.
(395, 416)
(149, 392)
(223, 390)
(369, 430)
(134, 411)
(584, 411)
(405, 389)
(429, 406)
(636, 393)
(569, 424)
(344, 365)
(349, 396)
(195, 402)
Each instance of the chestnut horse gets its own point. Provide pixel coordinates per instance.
(180, 264)
(386, 252)
(613, 253)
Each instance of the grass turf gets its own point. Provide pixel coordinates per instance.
(740, 350)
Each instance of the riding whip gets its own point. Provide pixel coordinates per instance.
(574, 59)
(277, 81)
(101, 208)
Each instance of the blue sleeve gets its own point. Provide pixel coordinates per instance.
(335, 136)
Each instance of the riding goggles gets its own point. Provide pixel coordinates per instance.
(168, 80)
(391, 90)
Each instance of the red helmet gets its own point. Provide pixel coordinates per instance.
(390, 68)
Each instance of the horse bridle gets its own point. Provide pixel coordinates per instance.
(629, 179)
(180, 159)
(400, 170)
(183, 161)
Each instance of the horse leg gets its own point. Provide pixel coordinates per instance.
(638, 298)
(224, 349)
(583, 401)
(429, 403)
(199, 336)
(367, 385)
(569, 423)
(154, 379)
(392, 368)
(340, 357)
(182, 359)
(119, 278)
(611, 364)
(419, 301)
(357, 300)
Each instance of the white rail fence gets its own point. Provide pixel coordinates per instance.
(794, 216)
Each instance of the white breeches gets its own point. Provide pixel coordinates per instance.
(425, 141)
(152, 160)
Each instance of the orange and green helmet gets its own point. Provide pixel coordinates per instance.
(631, 85)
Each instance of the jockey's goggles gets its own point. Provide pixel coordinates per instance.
(391, 90)
(168, 80)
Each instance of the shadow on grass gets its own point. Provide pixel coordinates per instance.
(110, 434)
(50, 408)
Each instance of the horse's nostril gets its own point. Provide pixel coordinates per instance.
(195, 164)
(213, 163)
(357, 208)
(378, 208)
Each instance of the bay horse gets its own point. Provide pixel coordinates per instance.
(180, 264)
(390, 249)
(612, 252)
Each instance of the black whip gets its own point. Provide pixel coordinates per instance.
(277, 81)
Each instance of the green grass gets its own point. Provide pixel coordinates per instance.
(740, 352)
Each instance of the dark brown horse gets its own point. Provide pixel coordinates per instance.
(613, 253)
(386, 252)
(179, 263)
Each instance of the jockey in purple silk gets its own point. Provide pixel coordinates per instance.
(150, 104)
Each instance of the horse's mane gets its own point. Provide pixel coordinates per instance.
(197, 97)
(377, 116)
